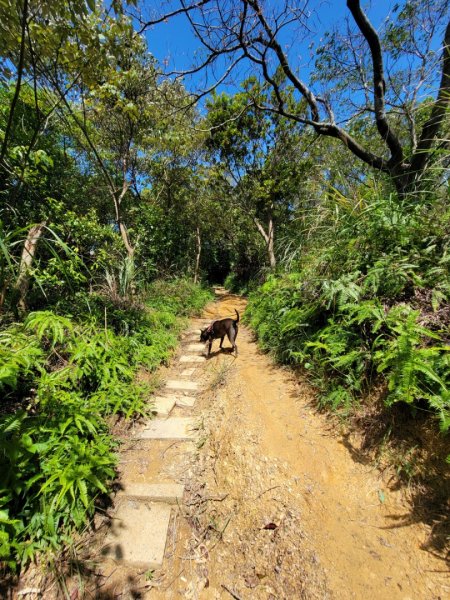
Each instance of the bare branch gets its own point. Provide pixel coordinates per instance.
(261, 230)
(182, 10)
(432, 126)
(20, 68)
(332, 130)
(250, 29)
(282, 58)
(379, 84)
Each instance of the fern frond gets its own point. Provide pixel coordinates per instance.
(341, 291)
(12, 423)
(48, 325)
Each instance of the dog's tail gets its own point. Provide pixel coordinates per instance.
(237, 320)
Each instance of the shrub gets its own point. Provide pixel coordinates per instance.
(61, 379)
(355, 308)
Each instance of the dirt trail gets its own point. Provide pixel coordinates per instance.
(277, 505)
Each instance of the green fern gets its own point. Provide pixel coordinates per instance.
(388, 277)
(57, 458)
(20, 355)
(11, 424)
(339, 292)
(369, 311)
(10, 530)
(338, 399)
(411, 367)
(441, 404)
(49, 326)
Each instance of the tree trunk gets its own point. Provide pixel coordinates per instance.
(19, 73)
(29, 250)
(126, 239)
(270, 249)
(269, 239)
(116, 198)
(198, 243)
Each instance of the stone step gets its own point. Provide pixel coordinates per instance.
(171, 493)
(195, 348)
(175, 428)
(138, 534)
(185, 401)
(192, 358)
(163, 405)
(188, 372)
(182, 385)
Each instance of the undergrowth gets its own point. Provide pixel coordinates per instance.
(366, 305)
(63, 377)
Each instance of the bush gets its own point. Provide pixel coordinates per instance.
(61, 379)
(367, 304)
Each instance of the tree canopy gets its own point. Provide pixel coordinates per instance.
(357, 71)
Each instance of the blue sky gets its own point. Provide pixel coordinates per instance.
(174, 45)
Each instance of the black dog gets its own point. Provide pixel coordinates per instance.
(218, 329)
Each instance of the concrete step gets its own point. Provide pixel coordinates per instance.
(138, 534)
(175, 428)
(170, 493)
(194, 331)
(182, 385)
(192, 358)
(163, 405)
(185, 401)
(195, 348)
(187, 372)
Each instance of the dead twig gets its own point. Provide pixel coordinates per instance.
(233, 594)
(207, 499)
(166, 587)
(265, 491)
(168, 448)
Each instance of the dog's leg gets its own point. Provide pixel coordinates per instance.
(232, 337)
(221, 341)
(209, 347)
